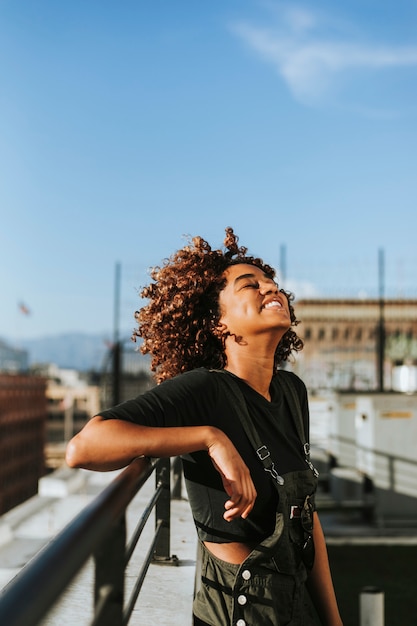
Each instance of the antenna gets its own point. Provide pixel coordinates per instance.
(116, 318)
(116, 337)
(283, 262)
(381, 321)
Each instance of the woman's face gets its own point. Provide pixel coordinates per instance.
(251, 302)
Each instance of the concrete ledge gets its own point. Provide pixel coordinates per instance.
(11, 520)
(6, 533)
(62, 482)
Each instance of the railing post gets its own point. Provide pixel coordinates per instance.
(163, 515)
(176, 491)
(163, 509)
(109, 577)
(371, 607)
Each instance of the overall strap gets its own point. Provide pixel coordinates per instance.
(290, 392)
(237, 399)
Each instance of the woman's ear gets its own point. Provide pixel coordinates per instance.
(218, 328)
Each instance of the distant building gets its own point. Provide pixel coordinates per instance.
(13, 360)
(126, 370)
(22, 437)
(341, 341)
(71, 402)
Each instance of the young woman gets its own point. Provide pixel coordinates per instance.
(218, 327)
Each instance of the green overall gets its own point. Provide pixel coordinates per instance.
(267, 589)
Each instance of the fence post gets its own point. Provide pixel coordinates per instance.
(109, 576)
(176, 491)
(371, 607)
(163, 510)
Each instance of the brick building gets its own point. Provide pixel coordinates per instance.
(341, 341)
(22, 437)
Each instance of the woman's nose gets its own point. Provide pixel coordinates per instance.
(268, 288)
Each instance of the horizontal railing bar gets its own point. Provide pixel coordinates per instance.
(141, 577)
(392, 457)
(42, 581)
(140, 526)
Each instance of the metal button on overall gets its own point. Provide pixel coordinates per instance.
(242, 600)
(240, 622)
(246, 574)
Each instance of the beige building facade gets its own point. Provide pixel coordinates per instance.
(341, 339)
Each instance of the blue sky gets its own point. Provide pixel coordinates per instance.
(126, 125)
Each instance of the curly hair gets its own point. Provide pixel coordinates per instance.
(179, 324)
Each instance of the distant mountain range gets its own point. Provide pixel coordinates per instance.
(83, 352)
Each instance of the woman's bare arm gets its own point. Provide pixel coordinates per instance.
(105, 445)
(111, 444)
(320, 582)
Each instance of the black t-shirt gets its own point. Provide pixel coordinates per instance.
(197, 398)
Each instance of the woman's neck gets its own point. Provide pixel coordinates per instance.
(255, 371)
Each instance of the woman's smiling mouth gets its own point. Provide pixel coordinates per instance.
(272, 304)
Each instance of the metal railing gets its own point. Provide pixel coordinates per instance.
(99, 531)
(379, 466)
(387, 484)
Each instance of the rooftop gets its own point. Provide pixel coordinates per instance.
(28, 527)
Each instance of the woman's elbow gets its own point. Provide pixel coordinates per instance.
(73, 454)
(79, 447)
(83, 450)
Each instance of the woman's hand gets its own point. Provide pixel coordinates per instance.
(235, 474)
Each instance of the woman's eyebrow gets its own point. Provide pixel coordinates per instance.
(250, 275)
(243, 277)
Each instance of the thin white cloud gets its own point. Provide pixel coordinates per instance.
(301, 288)
(300, 20)
(308, 61)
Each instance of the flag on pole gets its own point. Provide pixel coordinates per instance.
(23, 308)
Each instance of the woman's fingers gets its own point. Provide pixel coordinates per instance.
(242, 505)
(236, 478)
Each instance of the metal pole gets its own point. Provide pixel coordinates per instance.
(116, 338)
(110, 576)
(116, 373)
(176, 491)
(283, 262)
(116, 320)
(381, 322)
(163, 509)
(371, 606)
